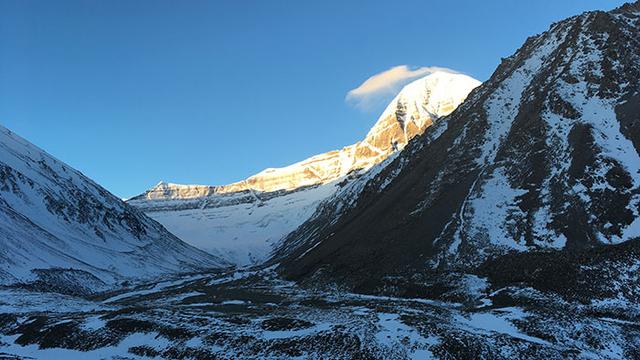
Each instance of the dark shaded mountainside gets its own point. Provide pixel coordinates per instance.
(535, 178)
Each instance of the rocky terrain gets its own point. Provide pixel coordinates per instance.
(257, 315)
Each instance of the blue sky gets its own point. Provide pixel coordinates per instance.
(210, 92)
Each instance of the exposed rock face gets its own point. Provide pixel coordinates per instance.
(543, 156)
(58, 226)
(245, 220)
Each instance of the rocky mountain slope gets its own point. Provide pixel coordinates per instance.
(541, 159)
(58, 228)
(244, 221)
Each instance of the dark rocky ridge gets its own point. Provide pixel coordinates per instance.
(546, 153)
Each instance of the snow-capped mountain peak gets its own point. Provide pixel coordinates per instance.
(415, 107)
(247, 219)
(433, 96)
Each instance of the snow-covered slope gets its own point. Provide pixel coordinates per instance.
(241, 227)
(52, 218)
(543, 156)
(244, 221)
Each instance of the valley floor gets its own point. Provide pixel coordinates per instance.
(254, 314)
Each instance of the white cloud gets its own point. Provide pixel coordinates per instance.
(381, 87)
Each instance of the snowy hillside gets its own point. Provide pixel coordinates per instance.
(58, 225)
(245, 221)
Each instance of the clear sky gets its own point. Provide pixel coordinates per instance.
(210, 92)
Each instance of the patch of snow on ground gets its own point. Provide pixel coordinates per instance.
(392, 331)
(498, 322)
(93, 323)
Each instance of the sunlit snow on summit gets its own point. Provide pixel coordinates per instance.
(381, 87)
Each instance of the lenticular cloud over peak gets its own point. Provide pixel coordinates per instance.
(381, 87)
